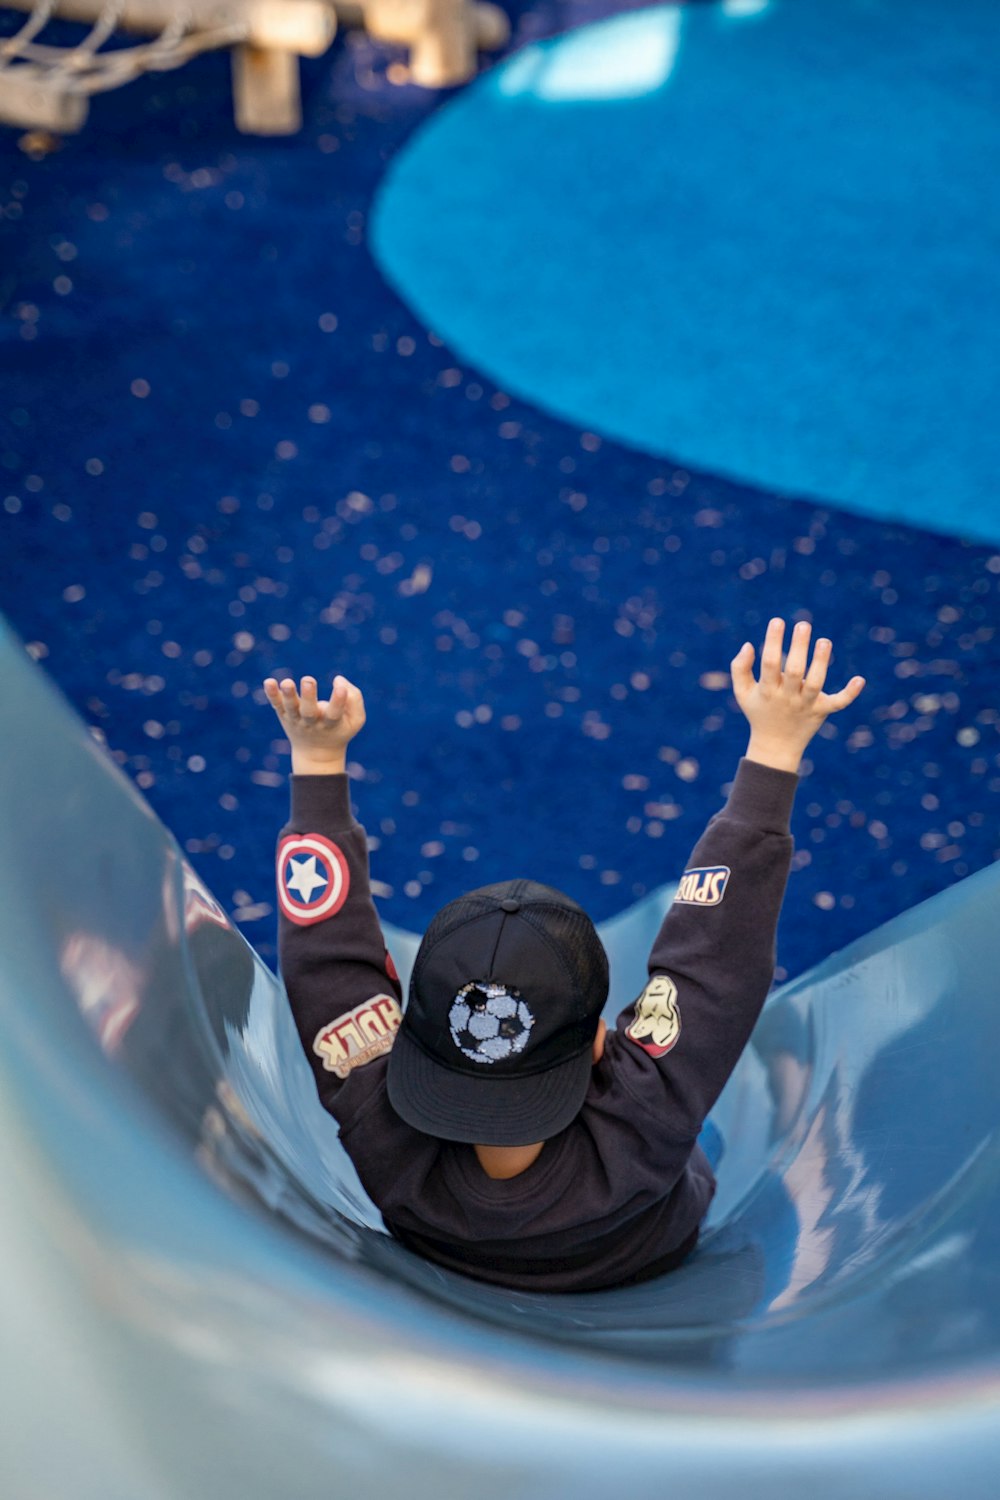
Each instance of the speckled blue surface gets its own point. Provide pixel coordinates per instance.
(228, 450)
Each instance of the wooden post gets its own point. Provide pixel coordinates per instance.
(29, 96)
(492, 26)
(266, 94)
(443, 52)
(443, 35)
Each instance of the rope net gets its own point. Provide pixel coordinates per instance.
(84, 69)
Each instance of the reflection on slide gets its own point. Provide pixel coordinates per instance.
(197, 1298)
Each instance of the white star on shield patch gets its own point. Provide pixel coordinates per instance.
(313, 878)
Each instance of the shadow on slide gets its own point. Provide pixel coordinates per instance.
(198, 1300)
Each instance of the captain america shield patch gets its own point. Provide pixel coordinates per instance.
(313, 878)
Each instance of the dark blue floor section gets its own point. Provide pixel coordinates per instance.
(229, 451)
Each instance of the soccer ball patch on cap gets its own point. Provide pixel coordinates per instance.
(489, 1022)
(313, 878)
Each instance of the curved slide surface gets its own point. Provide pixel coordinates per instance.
(197, 1298)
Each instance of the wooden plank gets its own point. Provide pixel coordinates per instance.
(30, 96)
(266, 94)
(444, 36)
(304, 26)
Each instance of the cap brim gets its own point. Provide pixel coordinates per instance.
(486, 1111)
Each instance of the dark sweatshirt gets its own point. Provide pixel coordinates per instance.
(618, 1195)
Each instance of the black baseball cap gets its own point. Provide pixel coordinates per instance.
(496, 1042)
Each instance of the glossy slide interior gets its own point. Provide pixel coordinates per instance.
(197, 1300)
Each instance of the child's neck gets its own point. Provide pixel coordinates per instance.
(507, 1161)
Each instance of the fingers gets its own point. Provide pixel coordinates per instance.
(285, 700)
(795, 671)
(834, 702)
(798, 653)
(741, 669)
(339, 697)
(355, 703)
(309, 705)
(770, 657)
(816, 676)
(289, 698)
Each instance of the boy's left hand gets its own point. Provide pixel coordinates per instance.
(318, 730)
(787, 705)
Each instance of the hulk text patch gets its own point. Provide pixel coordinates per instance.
(359, 1036)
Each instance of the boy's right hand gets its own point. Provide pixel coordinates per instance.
(786, 707)
(318, 731)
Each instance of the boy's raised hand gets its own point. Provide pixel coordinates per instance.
(318, 730)
(785, 707)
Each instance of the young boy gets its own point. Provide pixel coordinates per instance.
(497, 1124)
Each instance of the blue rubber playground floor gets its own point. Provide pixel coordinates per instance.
(525, 447)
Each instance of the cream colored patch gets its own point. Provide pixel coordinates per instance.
(359, 1036)
(657, 1023)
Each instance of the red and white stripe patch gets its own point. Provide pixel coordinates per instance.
(312, 878)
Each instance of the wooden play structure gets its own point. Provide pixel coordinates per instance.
(47, 88)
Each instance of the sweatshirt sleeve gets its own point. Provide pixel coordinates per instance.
(712, 963)
(341, 982)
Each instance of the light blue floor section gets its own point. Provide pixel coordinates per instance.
(757, 238)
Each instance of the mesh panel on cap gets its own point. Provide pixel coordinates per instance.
(572, 932)
(455, 914)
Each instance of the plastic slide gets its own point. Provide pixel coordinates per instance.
(198, 1301)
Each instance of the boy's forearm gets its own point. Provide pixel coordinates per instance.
(776, 753)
